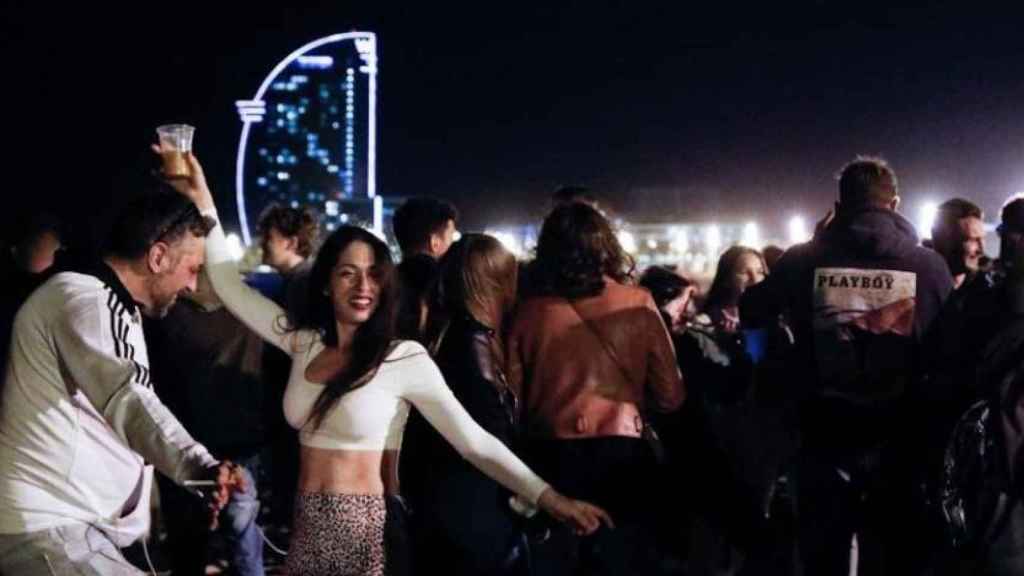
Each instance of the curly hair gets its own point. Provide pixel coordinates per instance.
(576, 250)
(292, 222)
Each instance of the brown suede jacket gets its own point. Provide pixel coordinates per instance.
(570, 385)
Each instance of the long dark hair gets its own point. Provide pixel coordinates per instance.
(577, 248)
(723, 288)
(373, 338)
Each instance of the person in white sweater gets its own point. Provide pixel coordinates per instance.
(78, 416)
(349, 394)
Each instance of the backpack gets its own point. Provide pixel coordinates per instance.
(983, 467)
(969, 489)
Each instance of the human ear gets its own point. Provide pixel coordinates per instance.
(158, 257)
(435, 244)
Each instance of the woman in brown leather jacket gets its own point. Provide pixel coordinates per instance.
(590, 355)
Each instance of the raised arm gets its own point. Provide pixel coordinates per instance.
(425, 388)
(261, 314)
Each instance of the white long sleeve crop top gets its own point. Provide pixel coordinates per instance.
(373, 416)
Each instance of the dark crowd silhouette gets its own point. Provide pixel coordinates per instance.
(853, 404)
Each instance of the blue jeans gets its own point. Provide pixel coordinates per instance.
(187, 521)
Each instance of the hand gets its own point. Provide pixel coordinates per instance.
(822, 224)
(193, 187)
(584, 518)
(229, 479)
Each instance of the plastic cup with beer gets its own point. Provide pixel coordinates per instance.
(175, 141)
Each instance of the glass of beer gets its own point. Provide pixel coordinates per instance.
(175, 141)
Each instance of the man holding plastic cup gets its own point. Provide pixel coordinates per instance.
(175, 143)
(78, 417)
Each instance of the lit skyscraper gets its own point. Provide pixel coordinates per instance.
(309, 134)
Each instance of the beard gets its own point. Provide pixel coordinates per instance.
(161, 300)
(160, 306)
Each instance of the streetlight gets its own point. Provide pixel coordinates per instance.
(712, 239)
(235, 249)
(680, 243)
(627, 240)
(926, 218)
(751, 235)
(509, 241)
(798, 230)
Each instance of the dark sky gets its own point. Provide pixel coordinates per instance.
(668, 111)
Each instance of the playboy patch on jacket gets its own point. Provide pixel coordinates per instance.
(863, 327)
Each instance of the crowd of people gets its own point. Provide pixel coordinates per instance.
(851, 405)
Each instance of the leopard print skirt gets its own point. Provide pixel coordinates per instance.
(337, 535)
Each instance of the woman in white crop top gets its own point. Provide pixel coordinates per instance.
(349, 393)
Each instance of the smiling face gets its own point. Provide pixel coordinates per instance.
(967, 246)
(355, 284)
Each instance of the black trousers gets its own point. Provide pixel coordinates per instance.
(617, 473)
(878, 503)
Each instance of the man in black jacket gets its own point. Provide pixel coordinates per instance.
(861, 297)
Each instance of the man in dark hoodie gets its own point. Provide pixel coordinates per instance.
(861, 296)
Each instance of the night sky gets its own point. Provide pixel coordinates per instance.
(669, 112)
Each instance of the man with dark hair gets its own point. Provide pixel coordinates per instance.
(984, 472)
(983, 306)
(289, 239)
(862, 296)
(424, 228)
(991, 299)
(289, 236)
(79, 419)
(959, 236)
(425, 225)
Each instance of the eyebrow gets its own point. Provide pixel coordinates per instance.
(354, 266)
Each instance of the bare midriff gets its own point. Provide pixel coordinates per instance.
(325, 471)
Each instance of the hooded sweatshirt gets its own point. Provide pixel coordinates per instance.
(862, 298)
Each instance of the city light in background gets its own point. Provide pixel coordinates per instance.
(751, 235)
(235, 248)
(680, 242)
(509, 241)
(713, 239)
(308, 101)
(926, 218)
(798, 230)
(627, 241)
